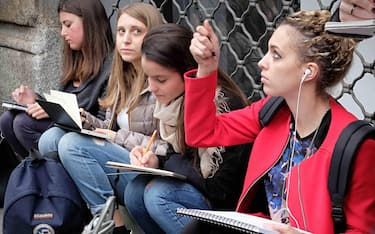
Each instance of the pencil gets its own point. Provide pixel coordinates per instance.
(150, 142)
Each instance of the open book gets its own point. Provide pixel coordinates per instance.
(144, 170)
(355, 29)
(231, 219)
(14, 106)
(63, 109)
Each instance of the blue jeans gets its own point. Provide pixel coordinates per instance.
(153, 201)
(49, 140)
(22, 131)
(84, 158)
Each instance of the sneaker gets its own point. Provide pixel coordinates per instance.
(102, 222)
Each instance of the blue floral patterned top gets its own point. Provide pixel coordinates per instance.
(275, 179)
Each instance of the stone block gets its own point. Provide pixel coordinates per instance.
(30, 45)
(22, 12)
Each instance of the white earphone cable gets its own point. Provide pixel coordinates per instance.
(292, 150)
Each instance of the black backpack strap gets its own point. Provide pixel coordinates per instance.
(269, 109)
(340, 168)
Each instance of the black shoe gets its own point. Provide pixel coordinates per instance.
(121, 230)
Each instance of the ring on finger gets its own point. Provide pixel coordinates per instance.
(353, 8)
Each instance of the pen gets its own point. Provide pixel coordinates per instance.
(150, 142)
(14, 106)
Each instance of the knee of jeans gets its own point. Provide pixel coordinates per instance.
(154, 194)
(67, 144)
(47, 141)
(22, 122)
(50, 139)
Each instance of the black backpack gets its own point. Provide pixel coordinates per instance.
(8, 161)
(42, 198)
(344, 152)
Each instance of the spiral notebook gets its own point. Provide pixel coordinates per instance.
(242, 222)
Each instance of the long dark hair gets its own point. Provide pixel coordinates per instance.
(168, 45)
(97, 42)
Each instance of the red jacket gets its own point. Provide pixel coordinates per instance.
(312, 208)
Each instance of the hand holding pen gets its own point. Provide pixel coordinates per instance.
(351, 10)
(205, 49)
(148, 146)
(140, 156)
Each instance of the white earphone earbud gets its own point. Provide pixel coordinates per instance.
(305, 74)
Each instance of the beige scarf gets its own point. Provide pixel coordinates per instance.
(210, 158)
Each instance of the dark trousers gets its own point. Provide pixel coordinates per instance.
(22, 131)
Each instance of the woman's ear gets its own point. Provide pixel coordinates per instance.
(311, 72)
(306, 74)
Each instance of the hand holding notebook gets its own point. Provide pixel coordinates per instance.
(63, 109)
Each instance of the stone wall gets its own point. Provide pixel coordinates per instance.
(30, 45)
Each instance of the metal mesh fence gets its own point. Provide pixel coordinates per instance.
(244, 27)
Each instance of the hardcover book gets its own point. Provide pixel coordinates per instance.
(63, 109)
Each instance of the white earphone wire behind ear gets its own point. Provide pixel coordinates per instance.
(291, 215)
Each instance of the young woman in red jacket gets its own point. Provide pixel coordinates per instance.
(288, 168)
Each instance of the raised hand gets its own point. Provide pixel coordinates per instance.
(24, 95)
(205, 49)
(351, 10)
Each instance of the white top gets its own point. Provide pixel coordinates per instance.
(123, 119)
